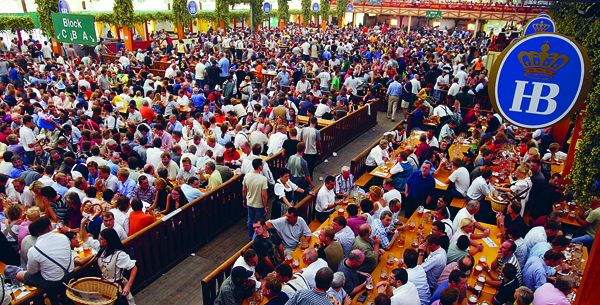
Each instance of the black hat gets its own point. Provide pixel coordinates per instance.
(240, 272)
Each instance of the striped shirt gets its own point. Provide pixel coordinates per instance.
(343, 186)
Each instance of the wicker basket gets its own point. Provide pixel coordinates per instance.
(499, 206)
(93, 284)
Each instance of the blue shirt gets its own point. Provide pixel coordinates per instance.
(419, 187)
(534, 273)
(438, 291)
(284, 78)
(126, 188)
(16, 172)
(198, 100)
(395, 89)
(379, 231)
(224, 65)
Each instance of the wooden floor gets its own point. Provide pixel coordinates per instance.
(181, 285)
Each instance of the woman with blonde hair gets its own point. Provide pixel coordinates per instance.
(376, 196)
(38, 199)
(467, 228)
(521, 187)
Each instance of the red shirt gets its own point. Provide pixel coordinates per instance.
(138, 220)
(147, 113)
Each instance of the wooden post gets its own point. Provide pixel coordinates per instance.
(127, 38)
(571, 153)
(409, 22)
(147, 32)
(222, 24)
(180, 34)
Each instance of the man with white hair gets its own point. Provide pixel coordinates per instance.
(344, 182)
(336, 290)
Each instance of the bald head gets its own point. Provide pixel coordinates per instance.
(364, 230)
(309, 256)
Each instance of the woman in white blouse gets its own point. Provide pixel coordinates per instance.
(285, 191)
(522, 186)
(113, 261)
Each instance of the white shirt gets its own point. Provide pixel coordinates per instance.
(200, 68)
(462, 78)
(120, 231)
(446, 132)
(56, 246)
(392, 194)
(241, 262)
(99, 160)
(122, 218)
(534, 236)
(325, 197)
(321, 110)
(559, 155)
(375, 157)
(479, 189)
(442, 111)
(324, 77)
(303, 86)
(153, 156)
(276, 143)
(311, 270)
(418, 277)
(463, 213)
(6, 167)
(406, 294)
(26, 137)
(461, 180)
(454, 89)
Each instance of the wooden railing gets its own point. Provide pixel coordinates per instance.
(212, 282)
(357, 164)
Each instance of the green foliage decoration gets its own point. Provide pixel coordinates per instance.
(180, 12)
(222, 10)
(123, 13)
(324, 10)
(340, 8)
(586, 30)
(306, 12)
(283, 11)
(44, 9)
(16, 23)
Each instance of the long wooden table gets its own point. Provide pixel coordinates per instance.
(303, 119)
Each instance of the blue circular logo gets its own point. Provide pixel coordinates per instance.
(192, 7)
(315, 7)
(267, 7)
(350, 8)
(63, 7)
(539, 79)
(538, 25)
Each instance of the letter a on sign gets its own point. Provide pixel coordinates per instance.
(538, 80)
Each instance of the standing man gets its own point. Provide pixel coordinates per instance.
(394, 91)
(419, 187)
(254, 190)
(312, 139)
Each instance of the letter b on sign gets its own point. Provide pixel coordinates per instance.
(535, 97)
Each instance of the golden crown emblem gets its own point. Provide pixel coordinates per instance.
(542, 65)
(541, 27)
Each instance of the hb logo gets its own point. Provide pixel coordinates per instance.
(539, 79)
(540, 66)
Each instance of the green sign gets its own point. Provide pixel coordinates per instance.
(433, 14)
(71, 28)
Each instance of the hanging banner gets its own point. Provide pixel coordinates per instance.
(72, 28)
(539, 80)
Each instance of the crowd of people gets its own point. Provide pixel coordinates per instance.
(98, 145)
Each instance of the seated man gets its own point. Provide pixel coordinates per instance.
(48, 262)
(248, 260)
(344, 182)
(368, 246)
(313, 264)
(137, 218)
(325, 203)
(330, 250)
(354, 279)
(236, 288)
(380, 230)
(399, 288)
(292, 228)
(456, 279)
(417, 275)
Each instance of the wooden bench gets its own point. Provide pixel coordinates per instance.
(458, 203)
(363, 180)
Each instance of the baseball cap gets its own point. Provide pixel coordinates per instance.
(241, 272)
